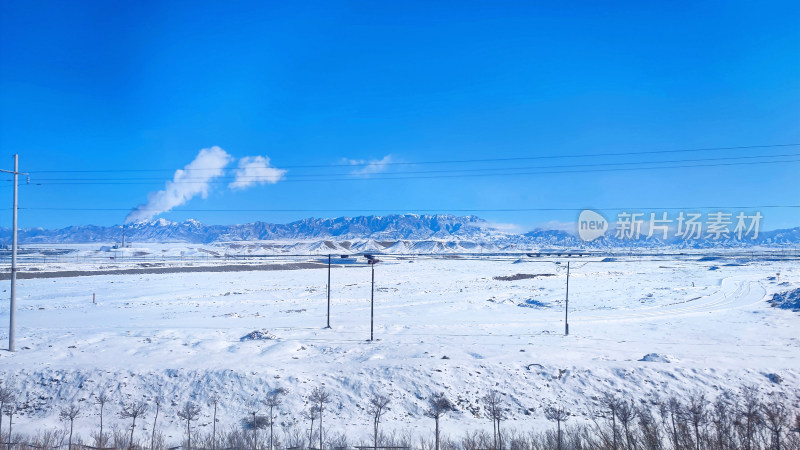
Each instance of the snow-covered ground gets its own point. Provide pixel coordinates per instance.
(640, 326)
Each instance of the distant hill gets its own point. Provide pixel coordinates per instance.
(387, 229)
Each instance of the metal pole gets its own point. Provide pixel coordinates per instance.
(372, 303)
(566, 308)
(11, 313)
(329, 291)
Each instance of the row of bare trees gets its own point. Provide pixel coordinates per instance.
(745, 420)
(133, 410)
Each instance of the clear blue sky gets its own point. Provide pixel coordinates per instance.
(98, 86)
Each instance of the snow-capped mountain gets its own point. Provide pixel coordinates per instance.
(407, 231)
(384, 228)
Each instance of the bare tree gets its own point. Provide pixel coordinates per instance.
(133, 410)
(749, 416)
(696, 414)
(776, 418)
(214, 401)
(320, 397)
(255, 423)
(722, 421)
(158, 401)
(626, 412)
(557, 415)
(189, 412)
(651, 433)
(273, 401)
(438, 406)
(797, 423)
(70, 413)
(378, 404)
(674, 409)
(311, 415)
(11, 408)
(6, 397)
(102, 399)
(611, 404)
(494, 411)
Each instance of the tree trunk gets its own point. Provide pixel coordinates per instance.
(614, 429)
(133, 427)
(494, 432)
(499, 436)
(153, 435)
(311, 434)
(696, 437)
(214, 430)
(189, 434)
(558, 435)
(375, 434)
(69, 445)
(674, 432)
(627, 435)
(320, 427)
(437, 433)
(101, 424)
(255, 432)
(271, 419)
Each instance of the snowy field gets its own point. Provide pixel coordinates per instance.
(640, 327)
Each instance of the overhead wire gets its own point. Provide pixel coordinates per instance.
(453, 161)
(383, 177)
(446, 171)
(439, 210)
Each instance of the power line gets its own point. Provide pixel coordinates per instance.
(453, 161)
(628, 208)
(495, 169)
(378, 177)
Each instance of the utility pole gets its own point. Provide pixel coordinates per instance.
(372, 301)
(566, 308)
(11, 324)
(329, 291)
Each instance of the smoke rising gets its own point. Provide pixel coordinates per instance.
(187, 183)
(372, 166)
(255, 170)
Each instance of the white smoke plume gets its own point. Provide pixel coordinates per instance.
(372, 166)
(255, 170)
(189, 182)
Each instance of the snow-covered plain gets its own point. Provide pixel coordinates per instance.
(638, 326)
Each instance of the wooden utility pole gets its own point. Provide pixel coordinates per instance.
(566, 308)
(12, 311)
(372, 301)
(329, 291)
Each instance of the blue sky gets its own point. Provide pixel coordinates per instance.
(103, 101)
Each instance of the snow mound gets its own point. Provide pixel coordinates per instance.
(786, 300)
(774, 377)
(655, 357)
(258, 335)
(522, 276)
(531, 303)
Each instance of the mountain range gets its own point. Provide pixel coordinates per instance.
(405, 227)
